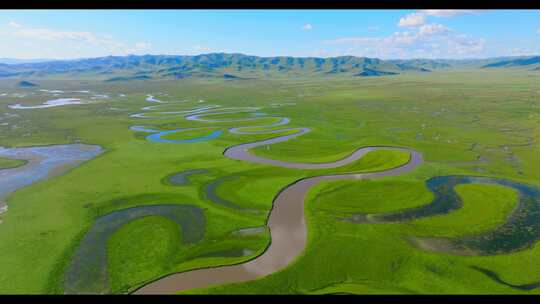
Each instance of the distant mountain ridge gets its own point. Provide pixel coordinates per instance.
(516, 62)
(19, 61)
(231, 66)
(26, 84)
(236, 66)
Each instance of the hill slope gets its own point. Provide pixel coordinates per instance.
(230, 66)
(239, 66)
(532, 62)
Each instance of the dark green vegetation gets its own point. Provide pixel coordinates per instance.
(480, 122)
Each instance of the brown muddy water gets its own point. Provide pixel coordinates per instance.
(286, 222)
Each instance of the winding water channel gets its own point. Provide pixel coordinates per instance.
(287, 224)
(286, 221)
(41, 162)
(87, 272)
(520, 231)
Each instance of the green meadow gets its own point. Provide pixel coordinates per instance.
(464, 122)
(7, 163)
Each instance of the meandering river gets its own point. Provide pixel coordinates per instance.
(41, 162)
(286, 222)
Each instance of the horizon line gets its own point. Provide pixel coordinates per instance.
(41, 60)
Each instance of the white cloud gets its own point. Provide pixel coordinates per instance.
(201, 49)
(424, 38)
(14, 24)
(352, 40)
(523, 52)
(142, 45)
(412, 20)
(307, 27)
(19, 31)
(403, 38)
(432, 29)
(426, 41)
(48, 42)
(419, 18)
(448, 13)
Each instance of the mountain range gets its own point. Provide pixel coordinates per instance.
(19, 61)
(240, 66)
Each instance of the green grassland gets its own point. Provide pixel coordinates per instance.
(454, 118)
(6, 163)
(142, 249)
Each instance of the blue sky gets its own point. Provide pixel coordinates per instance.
(66, 34)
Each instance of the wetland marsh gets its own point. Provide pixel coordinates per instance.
(272, 180)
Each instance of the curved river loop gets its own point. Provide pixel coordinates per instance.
(286, 221)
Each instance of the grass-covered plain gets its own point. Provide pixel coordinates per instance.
(141, 249)
(464, 122)
(6, 163)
